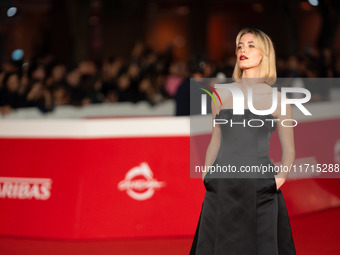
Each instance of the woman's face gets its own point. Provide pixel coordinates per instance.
(248, 55)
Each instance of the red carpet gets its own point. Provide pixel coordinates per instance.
(314, 234)
(317, 233)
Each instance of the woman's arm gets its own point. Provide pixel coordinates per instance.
(286, 136)
(215, 141)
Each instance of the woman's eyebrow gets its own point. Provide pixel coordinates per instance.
(248, 42)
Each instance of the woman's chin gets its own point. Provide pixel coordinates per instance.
(245, 66)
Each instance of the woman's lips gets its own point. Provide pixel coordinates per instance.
(243, 57)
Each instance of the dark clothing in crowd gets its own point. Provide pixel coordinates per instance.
(182, 98)
(13, 99)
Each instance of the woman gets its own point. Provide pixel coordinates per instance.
(11, 96)
(247, 215)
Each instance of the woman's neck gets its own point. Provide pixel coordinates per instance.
(251, 73)
(250, 76)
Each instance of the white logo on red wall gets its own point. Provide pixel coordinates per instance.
(139, 182)
(25, 188)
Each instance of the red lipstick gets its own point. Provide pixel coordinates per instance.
(243, 57)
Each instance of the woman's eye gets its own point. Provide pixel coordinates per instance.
(251, 46)
(239, 47)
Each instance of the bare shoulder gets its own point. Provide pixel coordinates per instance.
(231, 83)
(266, 89)
(223, 89)
(236, 84)
(225, 92)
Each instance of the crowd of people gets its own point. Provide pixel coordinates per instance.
(146, 75)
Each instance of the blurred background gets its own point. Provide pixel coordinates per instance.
(108, 173)
(56, 53)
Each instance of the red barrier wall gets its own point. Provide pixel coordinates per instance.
(117, 187)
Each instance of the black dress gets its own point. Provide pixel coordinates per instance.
(243, 213)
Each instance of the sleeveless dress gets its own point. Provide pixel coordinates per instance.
(243, 213)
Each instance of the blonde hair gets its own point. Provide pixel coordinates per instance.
(266, 47)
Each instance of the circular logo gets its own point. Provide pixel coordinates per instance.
(139, 182)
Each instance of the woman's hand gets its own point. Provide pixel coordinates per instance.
(279, 181)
